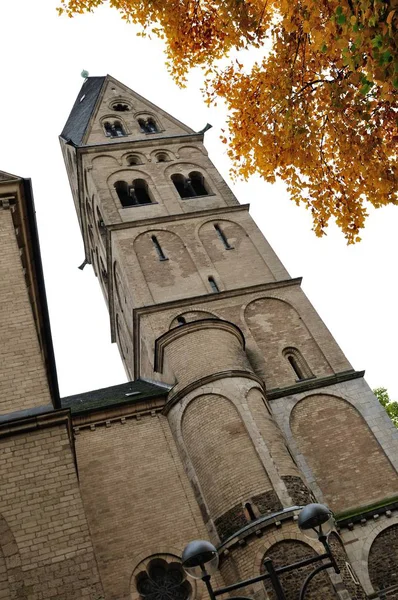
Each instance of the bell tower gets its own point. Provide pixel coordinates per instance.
(265, 410)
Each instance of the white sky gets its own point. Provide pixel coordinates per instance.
(354, 289)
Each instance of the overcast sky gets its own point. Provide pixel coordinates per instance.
(354, 289)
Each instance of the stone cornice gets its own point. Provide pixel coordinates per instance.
(178, 217)
(313, 384)
(173, 399)
(183, 330)
(29, 423)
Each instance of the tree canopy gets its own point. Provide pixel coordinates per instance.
(318, 109)
(390, 406)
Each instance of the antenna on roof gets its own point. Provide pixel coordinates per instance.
(84, 74)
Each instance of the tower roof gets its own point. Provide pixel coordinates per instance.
(91, 101)
(76, 125)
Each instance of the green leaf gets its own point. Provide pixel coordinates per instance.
(341, 19)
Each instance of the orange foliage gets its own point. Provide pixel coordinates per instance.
(319, 111)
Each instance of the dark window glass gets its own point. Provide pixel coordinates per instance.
(213, 285)
(223, 237)
(124, 192)
(181, 320)
(197, 182)
(158, 248)
(140, 192)
(108, 129)
(183, 186)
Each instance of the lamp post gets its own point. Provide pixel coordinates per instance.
(200, 558)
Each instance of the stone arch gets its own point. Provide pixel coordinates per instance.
(168, 268)
(225, 462)
(187, 151)
(383, 560)
(140, 156)
(275, 325)
(12, 584)
(185, 168)
(105, 161)
(344, 456)
(128, 176)
(231, 251)
(167, 151)
(288, 551)
(192, 315)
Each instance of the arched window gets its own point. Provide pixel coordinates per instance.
(103, 272)
(120, 107)
(148, 125)
(123, 191)
(114, 129)
(134, 160)
(162, 157)
(181, 185)
(163, 581)
(140, 192)
(250, 512)
(197, 182)
(297, 363)
(181, 320)
(132, 195)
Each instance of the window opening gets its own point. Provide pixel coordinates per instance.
(148, 125)
(295, 366)
(213, 285)
(297, 363)
(181, 320)
(183, 186)
(197, 182)
(162, 157)
(114, 129)
(104, 274)
(100, 223)
(250, 511)
(140, 192)
(223, 237)
(158, 248)
(134, 160)
(120, 107)
(132, 195)
(123, 192)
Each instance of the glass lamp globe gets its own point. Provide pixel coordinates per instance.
(316, 521)
(200, 558)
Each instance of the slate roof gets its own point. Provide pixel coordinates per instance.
(79, 117)
(125, 393)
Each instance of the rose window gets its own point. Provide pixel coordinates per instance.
(163, 581)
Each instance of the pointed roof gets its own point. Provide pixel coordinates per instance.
(89, 101)
(81, 112)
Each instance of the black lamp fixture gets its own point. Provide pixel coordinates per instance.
(200, 558)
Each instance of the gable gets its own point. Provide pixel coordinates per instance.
(7, 176)
(118, 103)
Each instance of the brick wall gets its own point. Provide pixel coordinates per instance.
(43, 529)
(383, 560)
(225, 462)
(23, 381)
(137, 498)
(348, 464)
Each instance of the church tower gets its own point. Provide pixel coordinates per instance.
(261, 411)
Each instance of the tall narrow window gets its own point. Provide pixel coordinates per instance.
(197, 182)
(213, 285)
(118, 127)
(108, 129)
(223, 237)
(123, 191)
(101, 224)
(298, 363)
(140, 192)
(158, 248)
(151, 125)
(250, 511)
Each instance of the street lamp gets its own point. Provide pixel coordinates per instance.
(200, 558)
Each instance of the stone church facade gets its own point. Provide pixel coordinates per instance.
(240, 406)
